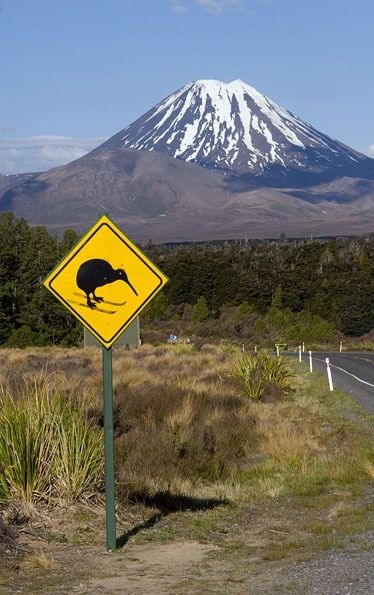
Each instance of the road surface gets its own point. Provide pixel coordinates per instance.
(352, 371)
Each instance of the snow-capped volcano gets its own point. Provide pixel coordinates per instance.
(233, 127)
(271, 173)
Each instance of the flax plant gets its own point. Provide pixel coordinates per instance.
(78, 468)
(48, 448)
(27, 447)
(255, 373)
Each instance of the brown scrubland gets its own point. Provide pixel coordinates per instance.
(193, 446)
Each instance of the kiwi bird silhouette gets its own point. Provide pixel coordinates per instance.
(96, 273)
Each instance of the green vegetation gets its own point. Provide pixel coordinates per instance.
(283, 288)
(48, 448)
(201, 310)
(28, 315)
(259, 291)
(256, 374)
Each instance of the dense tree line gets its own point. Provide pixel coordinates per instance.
(29, 315)
(332, 279)
(262, 283)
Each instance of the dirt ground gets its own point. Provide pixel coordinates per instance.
(241, 549)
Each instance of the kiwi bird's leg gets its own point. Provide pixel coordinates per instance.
(97, 298)
(89, 303)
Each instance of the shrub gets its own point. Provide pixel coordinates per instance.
(256, 373)
(47, 448)
(26, 448)
(78, 465)
(171, 437)
(21, 337)
(278, 373)
(201, 310)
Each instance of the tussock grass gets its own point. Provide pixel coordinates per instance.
(178, 437)
(182, 426)
(257, 373)
(48, 447)
(39, 563)
(362, 346)
(27, 447)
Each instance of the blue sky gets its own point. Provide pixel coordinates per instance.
(74, 72)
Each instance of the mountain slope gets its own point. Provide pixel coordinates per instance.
(264, 171)
(235, 128)
(10, 181)
(122, 181)
(151, 195)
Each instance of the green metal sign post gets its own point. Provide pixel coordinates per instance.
(96, 261)
(109, 450)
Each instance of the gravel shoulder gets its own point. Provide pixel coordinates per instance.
(338, 572)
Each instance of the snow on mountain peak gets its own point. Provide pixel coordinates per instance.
(232, 126)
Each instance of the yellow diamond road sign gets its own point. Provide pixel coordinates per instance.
(105, 281)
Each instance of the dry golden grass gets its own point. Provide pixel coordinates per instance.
(369, 467)
(288, 434)
(182, 426)
(39, 563)
(262, 479)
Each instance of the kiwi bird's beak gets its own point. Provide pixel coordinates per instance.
(129, 284)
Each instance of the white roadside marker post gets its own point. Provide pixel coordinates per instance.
(341, 346)
(329, 374)
(303, 347)
(310, 362)
(277, 351)
(243, 348)
(300, 354)
(256, 349)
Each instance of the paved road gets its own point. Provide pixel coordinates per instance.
(353, 372)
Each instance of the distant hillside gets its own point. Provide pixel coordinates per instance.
(211, 161)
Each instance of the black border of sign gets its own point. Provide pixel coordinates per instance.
(69, 307)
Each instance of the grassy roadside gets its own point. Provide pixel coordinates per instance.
(315, 461)
(262, 482)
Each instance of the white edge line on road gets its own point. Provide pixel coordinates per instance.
(349, 373)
